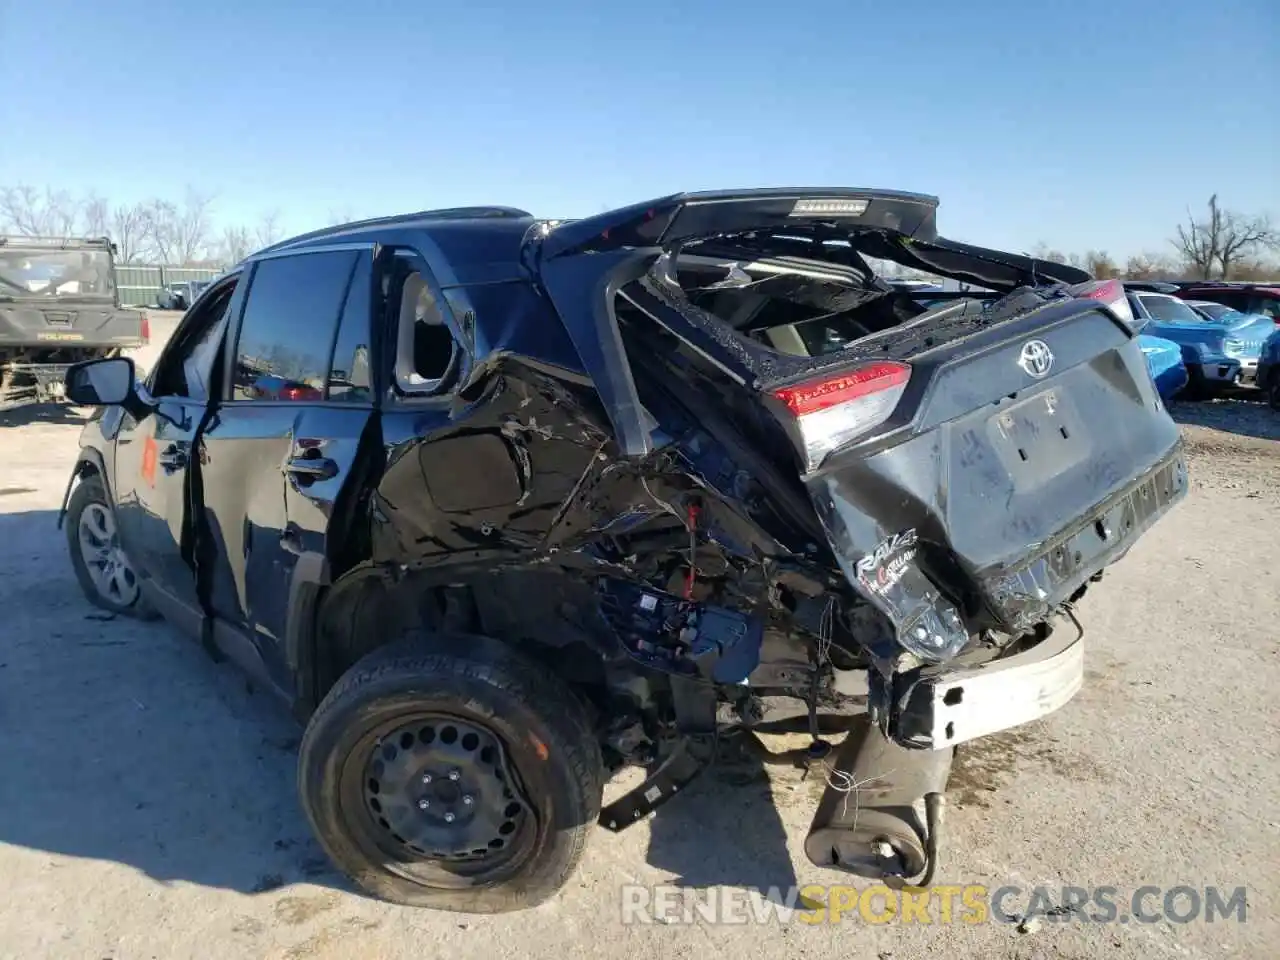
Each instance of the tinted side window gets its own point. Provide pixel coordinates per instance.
(290, 317)
(349, 374)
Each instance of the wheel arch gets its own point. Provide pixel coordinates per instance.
(546, 615)
(89, 462)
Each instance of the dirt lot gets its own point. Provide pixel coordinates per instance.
(147, 806)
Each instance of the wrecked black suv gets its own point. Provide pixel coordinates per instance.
(501, 505)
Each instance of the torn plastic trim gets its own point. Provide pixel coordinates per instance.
(583, 291)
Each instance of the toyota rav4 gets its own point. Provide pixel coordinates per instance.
(501, 505)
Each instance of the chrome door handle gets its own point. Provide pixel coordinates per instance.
(172, 458)
(313, 468)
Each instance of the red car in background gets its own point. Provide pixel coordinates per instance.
(1261, 298)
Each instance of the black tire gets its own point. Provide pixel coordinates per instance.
(1198, 388)
(89, 492)
(1273, 389)
(542, 728)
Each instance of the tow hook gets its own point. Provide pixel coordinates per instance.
(869, 822)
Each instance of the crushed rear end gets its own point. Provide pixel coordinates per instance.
(966, 469)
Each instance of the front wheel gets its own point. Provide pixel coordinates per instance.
(102, 567)
(453, 773)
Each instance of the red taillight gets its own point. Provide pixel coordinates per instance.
(146, 329)
(836, 410)
(1109, 292)
(296, 392)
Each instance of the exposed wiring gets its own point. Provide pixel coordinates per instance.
(842, 781)
(691, 576)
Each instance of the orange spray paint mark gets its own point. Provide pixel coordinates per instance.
(149, 461)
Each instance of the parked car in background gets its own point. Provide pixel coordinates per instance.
(1214, 311)
(1164, 362)
(1249, 298)
(1269, 369)
(1217, 353)
(180, 294)
(170, 296)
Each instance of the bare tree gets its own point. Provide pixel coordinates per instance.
(1222, 239)
(234, 245)
(94, 214)
(127, 229)
(1150, 266)
(1099, 264)
(1255, 268)
(1242, 237)
(34, 213)
(178, 234)
(1042, 251)
(268, 230)
(1198, 240)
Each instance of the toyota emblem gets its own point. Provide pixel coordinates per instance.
(1036, 358)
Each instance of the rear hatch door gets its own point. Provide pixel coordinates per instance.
(1024, 448)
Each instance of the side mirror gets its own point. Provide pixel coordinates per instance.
(101, 383)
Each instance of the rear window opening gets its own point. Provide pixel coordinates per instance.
(809, 308)
(427, 352)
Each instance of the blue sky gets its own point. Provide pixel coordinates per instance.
(1083, 125)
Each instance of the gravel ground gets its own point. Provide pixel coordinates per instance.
(148, 806)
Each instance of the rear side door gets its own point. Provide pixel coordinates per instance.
(152, 481)
(281, 446)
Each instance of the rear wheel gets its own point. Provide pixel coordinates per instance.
(1273, 390)
(451, 772)
(102, 567)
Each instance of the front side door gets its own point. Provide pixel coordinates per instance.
(152, 479)
(280, 447)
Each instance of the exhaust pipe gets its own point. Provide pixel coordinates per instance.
(869, 820)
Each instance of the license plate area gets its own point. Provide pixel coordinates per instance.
(1037, 438)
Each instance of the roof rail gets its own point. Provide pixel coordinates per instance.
(445, 213)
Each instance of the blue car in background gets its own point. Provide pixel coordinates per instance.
(1217, 351)
(1164, 360)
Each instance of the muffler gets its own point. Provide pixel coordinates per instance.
(881, 814)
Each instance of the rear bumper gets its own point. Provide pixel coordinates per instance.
(1025, 594)
(943, 706)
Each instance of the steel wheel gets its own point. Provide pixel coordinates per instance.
(440, 797)
(103, 557)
